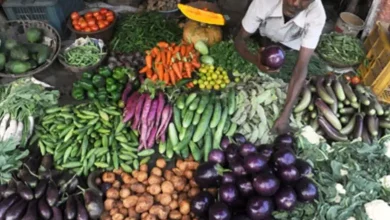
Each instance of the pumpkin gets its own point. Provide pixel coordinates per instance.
(194, 31)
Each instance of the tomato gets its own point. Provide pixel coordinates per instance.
(355, 80)
(95, 28)
(75, 22)
(88, 15)
(91, 22)
(103, 11)
(99, 17)
(75, 15)
(83, 24)
(106, 23)
(77, 27)
(96, 13)
(110, 13)
(87, 29)
(110, 18)
(101, 24)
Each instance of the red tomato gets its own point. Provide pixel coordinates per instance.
(88, 15)
(96, 13)
(110, 18)
(355, 80)
(110, 13)
(83, 24)
(106, 23)
(91, 22)
(77, 27)
(101, 24)
(75, 15)
(103, 11)
(94, 27)
(75, 22)
(99, 17)
(87, 29)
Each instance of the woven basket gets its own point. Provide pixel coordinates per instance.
(16, 30)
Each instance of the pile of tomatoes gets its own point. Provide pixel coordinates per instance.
(92, 21)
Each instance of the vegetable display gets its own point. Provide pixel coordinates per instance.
(342, 111)
(83, 53)
(171, 63)
(199, 122)
(92, 21)
(142, 31)
(162, 194)
(87, 137)
(103, 85)
(341, 49)
(40, 192)
(258, 180)
(21, 57)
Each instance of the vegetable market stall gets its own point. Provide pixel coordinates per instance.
(166, 129)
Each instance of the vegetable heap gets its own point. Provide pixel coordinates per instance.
(142, 31)
(88, 136)
(103, 85)
(40, 192)
(162, 194)
(83, 53)
(341, 111)
(92, 21)
(259, 180)
(199, 122)
(341, 49)
(21, 57)
(133, 60)
(171, 63)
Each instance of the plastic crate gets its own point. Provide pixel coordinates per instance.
(375, 70)
(55, 12)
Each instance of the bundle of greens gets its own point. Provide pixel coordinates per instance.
(10, 159)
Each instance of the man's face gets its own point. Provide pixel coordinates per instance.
(292, 7)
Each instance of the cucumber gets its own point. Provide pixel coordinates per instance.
(196, 119)
(232, 102)
(169, 151)
(194, 104)
(203, 123)
(172, 134)
(305, 101)
(204, 100)
(321, 91)
(180, 102)
(182, 133)
(176, 117)
(216, 115)
(186, 140)
(226, 126)
(207, 144)
(232, 129)
(187, 120)
(195, 151)
(190, 98)
(218, 134)
(185, 152)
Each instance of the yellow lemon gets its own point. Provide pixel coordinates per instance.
(201, 86)
(216, 87)
(209, 87)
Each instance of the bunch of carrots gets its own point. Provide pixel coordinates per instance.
(171, 63)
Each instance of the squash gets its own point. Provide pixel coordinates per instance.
(202, 16)
(194, 31)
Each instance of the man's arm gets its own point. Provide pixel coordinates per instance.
(242, 47)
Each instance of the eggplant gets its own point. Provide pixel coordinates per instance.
(93, 203)
(82, 213)
(255, 163)
(24, 191)
(246, 149)
(330, 131)
(27, 177)
(11, 189)
(240, 217)
(259, 208)
(245, 187)
(7, 203)
(103, 188)
(225, 142)
(91, 181)
(304, 168)
(237, 167)
(70, 211)
(219, 211)
(228, 193)
(321, 91)
(348, 128)
(285, 139)
(31, 213)
(72, 184)
(228, 177)
(57, 213)
(46, 163)
(306, 190)
(328, 114)
(16, 211)
(231, 152)
(285, 198)
(217, 156)
(358, 130)
(52, 194)
(239, 138)
(288, 174)
(266, 184)
(206, 175)
(366, 137)
(266, 150)
(40, 190)
(201, 203)
(284, 158)
(2, 189)
(44, 208)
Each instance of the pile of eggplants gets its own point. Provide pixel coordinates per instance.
(342, 111)
(252, 181)
(40, 192)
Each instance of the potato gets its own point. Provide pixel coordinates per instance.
(178, 172)
(184, 207)
(123, 211)
(118, 216)
(138, 188)
(173, 205)
(168, 174)
(161, 163)
(167, 187)
(153, 179)
(156, 171)
(165, 199)
(130, 201)
(113, 211)
(193, 192)
(109, 204)
(178, 183)
(126, 178)
(142, 176)
(188, 174)
(124, 193)
(131, 213)
(143, 167)
(154, 189)
(108, 177)
(175, 215)
(144, 203)
(112, 193)
(118, 171)
(116, 184)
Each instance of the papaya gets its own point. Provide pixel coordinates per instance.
(200, 15)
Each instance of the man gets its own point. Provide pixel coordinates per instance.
(296, 24)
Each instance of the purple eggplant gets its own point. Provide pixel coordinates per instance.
(2, 189)
(7, 203)
(126, 92)
(266, 150)
(358, 130)
(201, 203)
(284, 158)
(94, 203)
(24, 191)
(255, 163)
(57, 213)
(11, 189)
(231, 152)
(245, 187)
(240, 217)
(237, 167)
(225, 142)
(266, 184)
(219, 211)
(52, 194)
(304, 168)
(217, 156)
(285, 198)
(44, 209)
(206, 175)
(288, 174)
(82, 213)
(16, 211)
(228, 177)
(286, 139)
(306, 190)
(228, 193)
(259, 208)
(31, 213)
(330, 131)
(246, 149)
(239, 138)
(70, 208)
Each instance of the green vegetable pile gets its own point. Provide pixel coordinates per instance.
(341, 49)
(87, 137)
(21, 57)
(85, 55)
(199, 123)
(102, 85)
(358, 167)
(140, 32)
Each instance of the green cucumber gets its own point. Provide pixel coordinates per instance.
(216, 115)
(176, 117)
(186, 140)
(188, 119)
(218, 134)
(196, 119)
(190, 98)
(180, 102)
(204, 100)
(207, 144)
(203, 124)
(195, 151)
(194, 104)
(172, 134)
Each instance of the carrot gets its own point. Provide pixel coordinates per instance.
(176, 69)
(149, 73)
(162, 44)
(176, 50)
(195, 63)
(163, 57)
(160, 71)
(154, 77)
(155, 51)
(169, 56)
(158, 58)
(148, 61)
(188, 68)
(172, 76)
(190, 84)
(189, 49)
(182, 50)
(178, 76)
(144, 70)
(166, 78)
(181, 64)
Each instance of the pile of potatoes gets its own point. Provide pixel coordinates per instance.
(158, 194)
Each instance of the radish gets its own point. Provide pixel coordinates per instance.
(138, 109)
(130, 106)
(144, 134)
(151, 138)
(165, 118)
(152, 113)
(19, 131)
(145, 110)
(126, 92)
(31, 125)
(160, 107)
(3, 125)
(11, 130)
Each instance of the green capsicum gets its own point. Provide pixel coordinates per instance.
(111, 88)
(98, 81)
(86, 84)
(91, 94)
(104, 71)
(86, 75)
(115, 96)
(120, 73)
(102, 94)
(77, 84)
(78, 93)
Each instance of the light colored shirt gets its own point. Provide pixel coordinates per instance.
(304, 30)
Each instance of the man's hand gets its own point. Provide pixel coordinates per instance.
(281, 125)
(261, 67)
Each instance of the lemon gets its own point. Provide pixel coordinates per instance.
(205, 83)
(201, 86)
(195, 82)
(227, 81)
(224, 72)
(219, 81)
(209, 78)
(237, 79)
(212, 83)
(203, 70)
(216, 87)
(223, 85)
(209, 87)
(211, 67)
(225, 77)
(214, 76)
(200, 81)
